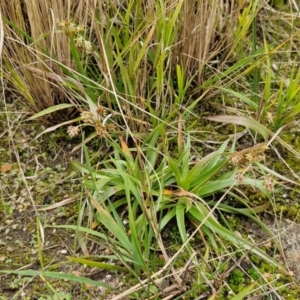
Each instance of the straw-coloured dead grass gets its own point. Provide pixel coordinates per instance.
(33, 38)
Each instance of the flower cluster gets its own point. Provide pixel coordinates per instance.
(75, 31)
(73, 131)
(269, 183)
(87, 117)
(247, 156)
(98, 122)
(70, 27)
(83, 44)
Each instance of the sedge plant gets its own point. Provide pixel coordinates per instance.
(153, 186)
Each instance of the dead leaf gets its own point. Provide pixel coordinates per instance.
(5, 168)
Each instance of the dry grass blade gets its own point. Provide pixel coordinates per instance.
(1, 34)
(29, 28)
(240, 120)
(196, 43)
(60, 204)
(200, 40)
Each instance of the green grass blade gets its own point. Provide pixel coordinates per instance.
(96, 264)
(107, 220)
(245, 292)
(223, 232)
(240, 96)
(58, 275)
(50, 110)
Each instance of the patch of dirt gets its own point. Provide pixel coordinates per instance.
(287, 234)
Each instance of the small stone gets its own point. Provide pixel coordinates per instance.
(108, 277)
(106, 251)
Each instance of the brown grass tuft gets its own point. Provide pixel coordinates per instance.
(205, 30)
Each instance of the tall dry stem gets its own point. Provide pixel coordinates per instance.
(31, 42)
(207, 33)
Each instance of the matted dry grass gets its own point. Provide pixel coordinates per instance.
(205, 31)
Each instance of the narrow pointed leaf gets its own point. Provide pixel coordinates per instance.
(243, 121)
